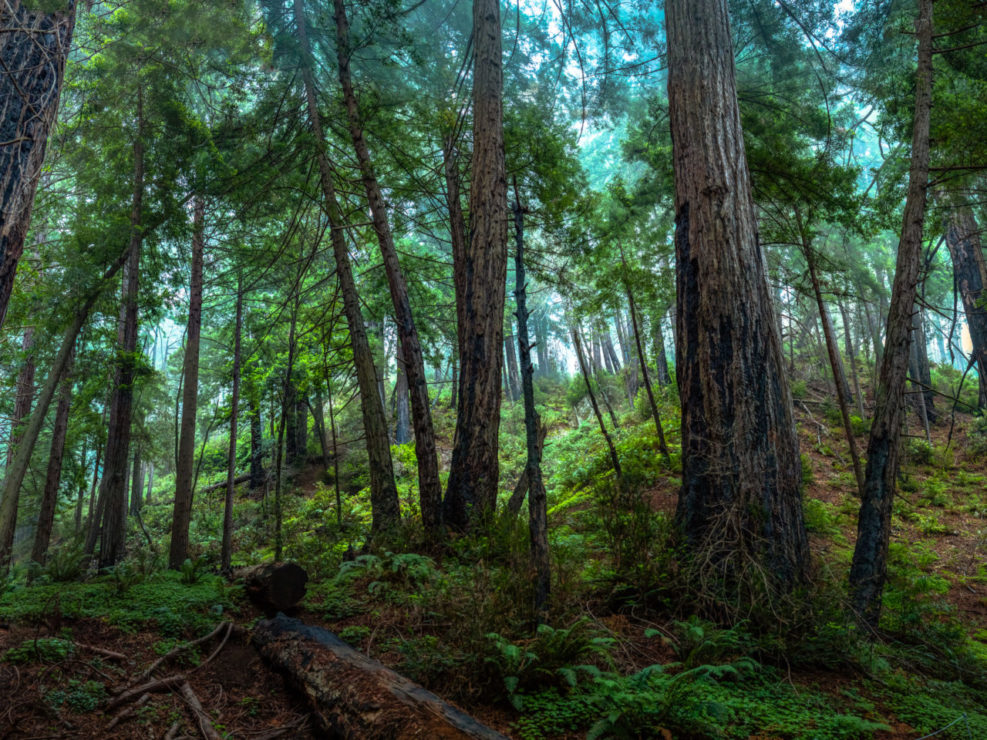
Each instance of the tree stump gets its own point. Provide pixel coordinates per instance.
(274, 587)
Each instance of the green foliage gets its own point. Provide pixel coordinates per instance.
(192, 571)
(66, 562)
(807, 474)
(919, 452)
(78, 696)
(40, 650)
(820, 517)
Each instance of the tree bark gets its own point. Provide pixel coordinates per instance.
(474, 472)
(383, 491)
(136, 483)
(274, 587)
(741, 492)
(970, 278)
(868, 569)
(851, 353)
(178, 553)
(661, 357)
(49, 498)
(34, 45)
(226, 552)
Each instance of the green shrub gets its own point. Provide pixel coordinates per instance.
(41, 650)
(79, 696)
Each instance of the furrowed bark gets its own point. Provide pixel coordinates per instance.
(740, 507)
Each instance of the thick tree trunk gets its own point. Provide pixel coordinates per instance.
(537, 498)
(185, 463)
(970, 278)
(24, 393)
(741, 477)
(226, 551)
(474, 471)
(274, 587)
(383, 491)
(353, 696)
(836, 365)
(429, 484)
(34, 45)
(49, 498)
(868, 570)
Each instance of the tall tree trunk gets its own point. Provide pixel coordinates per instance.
(607, 357)
(970, 278)
(111, 504)
(835, 364)
(17, 469)
(625, 352)
(474, 471)
(458, 236)
(49, 499)
(614, 460)
(226, 552)
(185, 463)
(383, 491)
(537, 500)
(34, 45)
(608, 348)
(24, 393)
(454, 382)
(287, 410)
(868, 570)
(741, 476)
(301, 429)
(150, 482)
(429, 484)
(922, 369)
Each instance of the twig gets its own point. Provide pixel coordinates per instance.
(205, 725)
(173, 731)
(101, 651)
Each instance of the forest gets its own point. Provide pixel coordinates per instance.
(480, 369)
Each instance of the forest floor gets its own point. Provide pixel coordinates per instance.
(69, 647)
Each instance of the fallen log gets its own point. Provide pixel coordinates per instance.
(222, 484)
(274, 587)
(355, 696)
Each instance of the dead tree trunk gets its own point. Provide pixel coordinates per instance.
(741, 478)
(474, 471)
(383, 491)
(355, 696)
(34, 44)
(185, 463)
(868, 569)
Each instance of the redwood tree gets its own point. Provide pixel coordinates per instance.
(474, 471)
(740, 506)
